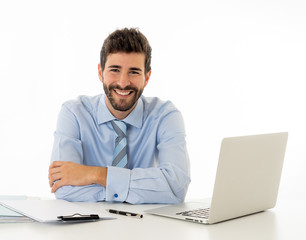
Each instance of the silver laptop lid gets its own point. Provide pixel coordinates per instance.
(248, 175)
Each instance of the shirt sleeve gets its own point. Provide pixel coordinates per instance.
(167, 182)
(68, 147)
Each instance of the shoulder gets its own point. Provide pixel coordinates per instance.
(156, 106)
(161, 113)
(83, 104)
(165, 116)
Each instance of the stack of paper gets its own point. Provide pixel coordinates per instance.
(51, 210)
(9, 216)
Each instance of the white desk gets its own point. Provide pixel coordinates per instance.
(286, 221)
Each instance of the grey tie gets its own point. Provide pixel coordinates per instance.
(120, 154)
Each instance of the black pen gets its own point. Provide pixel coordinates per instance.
(138, 215)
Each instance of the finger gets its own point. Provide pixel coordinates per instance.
(54, 170)
(50, 183)
(57, 185)
(54, 174)
(54, 177)
(56, 164)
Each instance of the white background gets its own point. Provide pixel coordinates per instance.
(231, 67)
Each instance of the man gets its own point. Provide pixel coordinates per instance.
(154, 164)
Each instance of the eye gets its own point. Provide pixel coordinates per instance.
(134, 72)
(115, 70)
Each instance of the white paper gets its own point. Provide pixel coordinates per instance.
(47, 210)
(9, 216)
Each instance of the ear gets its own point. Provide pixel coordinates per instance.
(148, 75)
(100, 72)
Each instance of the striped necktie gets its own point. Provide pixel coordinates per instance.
(120, 153)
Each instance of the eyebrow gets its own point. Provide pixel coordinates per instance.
(114, 66)
(136, 69)
(119, 67)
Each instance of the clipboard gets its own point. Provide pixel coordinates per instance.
(53, 211)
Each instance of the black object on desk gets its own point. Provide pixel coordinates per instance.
(79, 218)
(138, 215)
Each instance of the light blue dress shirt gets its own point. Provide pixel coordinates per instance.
(158, 167)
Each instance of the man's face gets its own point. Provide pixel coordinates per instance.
(123, 80)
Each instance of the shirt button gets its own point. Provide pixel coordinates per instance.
(115, 195)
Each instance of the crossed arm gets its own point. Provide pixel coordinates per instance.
(69, 173)
(71, 177)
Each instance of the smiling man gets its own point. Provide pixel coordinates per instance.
(120, 146)
(123, 80)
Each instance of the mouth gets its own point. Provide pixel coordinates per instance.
(123, 93)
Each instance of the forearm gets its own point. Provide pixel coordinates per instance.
(89, 193)
(147, 185)
(69, 173)
(165, 185)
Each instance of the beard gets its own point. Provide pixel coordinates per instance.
(122, 104)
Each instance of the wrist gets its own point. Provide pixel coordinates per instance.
(99, 175)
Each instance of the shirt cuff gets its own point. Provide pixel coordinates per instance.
(117, 184)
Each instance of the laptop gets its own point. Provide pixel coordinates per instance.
(247, 181)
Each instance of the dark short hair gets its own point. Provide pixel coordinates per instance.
(127, 41)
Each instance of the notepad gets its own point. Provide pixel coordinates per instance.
(49, 210)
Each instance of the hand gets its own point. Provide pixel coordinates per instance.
(70, 173)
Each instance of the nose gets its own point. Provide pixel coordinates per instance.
(123, 81)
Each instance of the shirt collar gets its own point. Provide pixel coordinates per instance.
(134, 118)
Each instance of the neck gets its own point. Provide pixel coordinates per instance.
(118, 114)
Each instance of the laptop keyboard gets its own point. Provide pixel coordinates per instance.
(199, 213)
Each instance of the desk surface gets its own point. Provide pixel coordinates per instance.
(286, 221)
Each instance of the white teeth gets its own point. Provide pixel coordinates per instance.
(122, 93)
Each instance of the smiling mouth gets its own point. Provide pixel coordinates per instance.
(123, 92)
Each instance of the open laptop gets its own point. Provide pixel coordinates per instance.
(247, 181)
